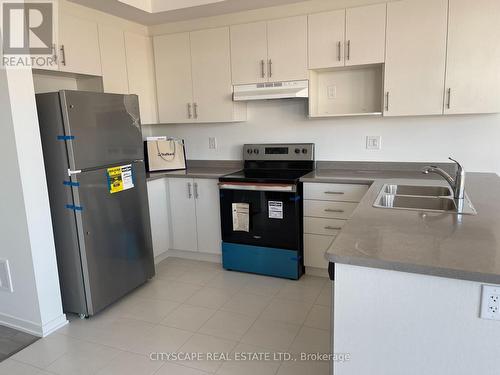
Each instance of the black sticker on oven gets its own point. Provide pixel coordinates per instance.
(275, 209)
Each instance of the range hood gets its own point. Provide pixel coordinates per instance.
(271, 90)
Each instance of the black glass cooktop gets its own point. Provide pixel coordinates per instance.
(266, 175)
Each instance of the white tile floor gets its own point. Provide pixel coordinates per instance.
(189, 307)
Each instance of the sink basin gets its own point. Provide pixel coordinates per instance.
(422, 198)
(417, 203)
(425, 191)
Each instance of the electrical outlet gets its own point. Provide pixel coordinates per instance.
(5, 278)
(373, 142)
(490, 302)
(332, 92)
(212, 143)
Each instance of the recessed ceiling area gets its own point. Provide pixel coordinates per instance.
(153, 12)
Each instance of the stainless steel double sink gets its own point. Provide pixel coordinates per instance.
(422, 198)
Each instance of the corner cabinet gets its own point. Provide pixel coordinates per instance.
(158, 211)
(193, 77)
(269, 51)
(473, 61)
(195, 215)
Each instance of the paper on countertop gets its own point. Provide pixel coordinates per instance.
(241, 217)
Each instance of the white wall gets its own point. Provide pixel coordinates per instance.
(395, 323)
(26, 238)
(472, 139)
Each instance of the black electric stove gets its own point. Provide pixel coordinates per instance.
(262, 209)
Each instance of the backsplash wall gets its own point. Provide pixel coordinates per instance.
(472, 139)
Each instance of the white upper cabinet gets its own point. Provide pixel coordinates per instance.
(211, 70)
(415, 57)
(326, 39)
(287, 49)
(79, 46)
(173, 77)
(473, 63)
(113, 60)
(141, 74)
(269, 51)
(194, 78)
(355, 36)
(365, 35)
(249, 53)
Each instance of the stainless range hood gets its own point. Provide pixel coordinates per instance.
(271, 90)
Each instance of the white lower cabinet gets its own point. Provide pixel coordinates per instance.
(195, 215)
(326, 210)
(158, 212)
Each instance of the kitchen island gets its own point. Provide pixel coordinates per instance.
(407, 284)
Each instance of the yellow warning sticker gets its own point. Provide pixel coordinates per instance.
(120, 178)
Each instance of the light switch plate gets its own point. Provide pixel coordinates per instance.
(490, 302)
(373, 142)
(5, 278)
(212, 143)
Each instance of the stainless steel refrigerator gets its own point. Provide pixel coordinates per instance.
(94, 162)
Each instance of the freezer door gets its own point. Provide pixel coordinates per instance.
(101, 129)
(115, 236)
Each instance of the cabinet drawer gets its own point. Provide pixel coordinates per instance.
(329, 210)
(315, 246)
(317, 225)
(335, 192)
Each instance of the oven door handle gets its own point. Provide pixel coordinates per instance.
(286, 188)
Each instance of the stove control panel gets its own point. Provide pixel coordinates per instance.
(282, 151)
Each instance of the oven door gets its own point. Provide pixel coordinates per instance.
(274, 214)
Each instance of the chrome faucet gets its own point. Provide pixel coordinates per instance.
(457, 184)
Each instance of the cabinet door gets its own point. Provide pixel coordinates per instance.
(315, 247)
(113, 60)
(79, 41)
(287, 49)
(249, 53)
(173, 78)
(183, 214)
(365, 35)
(326, 39)
(158, 212)
(208, 215)
(473, 65)
(141, 74)
(211, 70)
(415, 57)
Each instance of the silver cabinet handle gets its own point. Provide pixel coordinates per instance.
(387, 101)
(332, 228)
(348, 50)
(190, 194)
(335, 192)
(196, 195)
(270, 70)
(339, 51)
(63, 55)
(54, 53)
(189, 114)
(262, 69)
(448, 102)
(195, 110)
(333, 210)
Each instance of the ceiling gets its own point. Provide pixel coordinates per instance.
(151, 12)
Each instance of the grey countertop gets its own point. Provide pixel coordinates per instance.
(441, 244)
(200, 169)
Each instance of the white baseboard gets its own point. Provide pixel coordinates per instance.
(194, 255)
(313, 271)
(33, 328)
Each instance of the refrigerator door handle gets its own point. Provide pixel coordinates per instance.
(71, 173)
